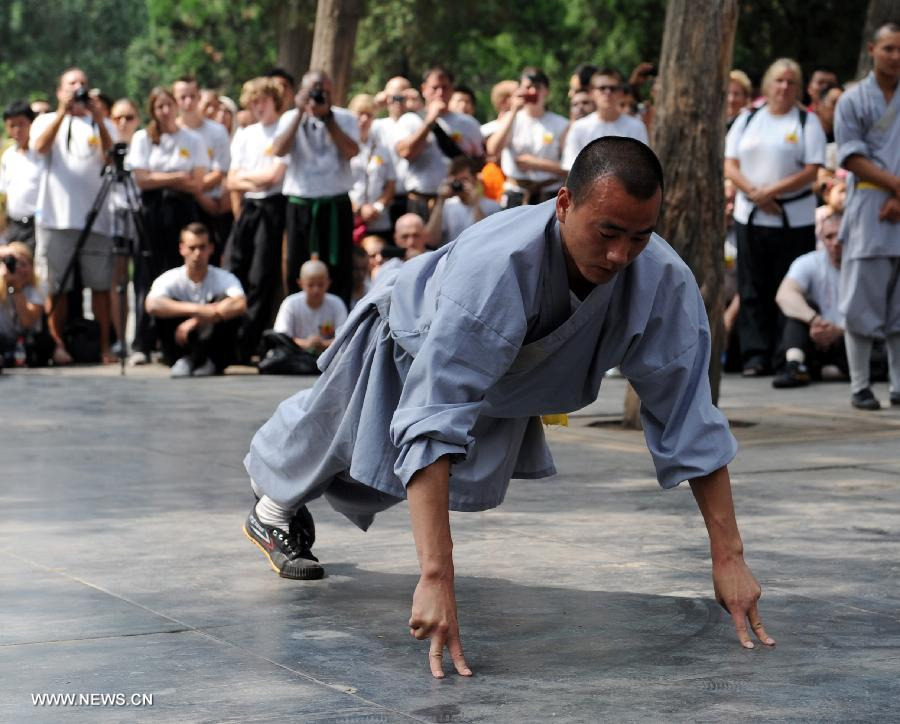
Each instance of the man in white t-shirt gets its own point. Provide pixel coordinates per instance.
(459, 203)
(215, 205)
(607, 87)
(311, 317)
(813, 336)
(429, 143)
(21, 171)
(321, 139)
(74, 142)
(528, 139)
(197, 308)
(256, 175)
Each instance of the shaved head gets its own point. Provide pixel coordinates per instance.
(630, 162)
(313, 268)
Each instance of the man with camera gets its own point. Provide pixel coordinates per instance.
(321, 139)
(528, 140)
(74, 141)
(460, 203)
(388, 131)
(429, 143)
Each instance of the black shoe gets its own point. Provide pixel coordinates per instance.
(895, 400)
(286, 554)
(865, 400)
(793, 374)
(755, 367)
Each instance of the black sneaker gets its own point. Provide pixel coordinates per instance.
(287, 555)
(895, 400)
(865, 400)
(793, 374)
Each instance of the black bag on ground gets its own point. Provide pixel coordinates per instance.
(82, 339)
(281, 356)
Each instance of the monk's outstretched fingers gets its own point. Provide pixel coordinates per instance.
(436, 657)
(740, 624)
(459, 660)
(757, 625)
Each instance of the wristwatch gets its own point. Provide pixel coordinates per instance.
(378, 206)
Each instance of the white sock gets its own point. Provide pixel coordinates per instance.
(270, 513)
(859, 357)
(795, 354)
(893, 349)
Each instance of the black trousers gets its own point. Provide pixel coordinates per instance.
(219, 226)
(796, 334)
(764, 256)
(215, 342)
(255, 260)
(324, 226)
(164, 214)
(21, 230)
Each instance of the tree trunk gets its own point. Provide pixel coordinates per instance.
(295, 33)
(689, 138)
(879, 13)
(333, 43)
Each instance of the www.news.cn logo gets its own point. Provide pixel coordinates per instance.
(117, 699)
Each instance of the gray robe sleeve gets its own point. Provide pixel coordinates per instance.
(668, 366)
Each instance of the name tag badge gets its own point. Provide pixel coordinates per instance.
(791, 137)
(548, 139)
(184, 153)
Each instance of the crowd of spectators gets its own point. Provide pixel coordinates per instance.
(261, 223)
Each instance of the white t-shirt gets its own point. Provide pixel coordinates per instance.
(251, 150)
(388, 132)
(183, 150)
(591, 127)
(72, 173)
(457, 217)
(371, 169)
(488, 129)
(10, 328)
(20, 180)
(218, 149)
(820, 282)
(426, 172)
(538, 137)
(177, 285)
(770, 148)
(297, 319)
(316, 168)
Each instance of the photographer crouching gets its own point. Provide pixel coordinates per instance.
(460, 203)
(22, 341)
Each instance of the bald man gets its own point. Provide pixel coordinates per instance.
(388, 132)
(448, 367)
(409, 234)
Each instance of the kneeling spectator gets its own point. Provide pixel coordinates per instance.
(312, 316)
(197, 308)
(21, 310)
(813, 336)
(460, 203)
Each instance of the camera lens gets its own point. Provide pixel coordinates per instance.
(10, 263)
(456, 186)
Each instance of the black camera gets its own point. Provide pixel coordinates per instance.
(397, 99)
(10, 262)
(456, 186)
(116, 156)
(82, 95)
(317, 94)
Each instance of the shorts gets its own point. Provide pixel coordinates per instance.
(54, 251)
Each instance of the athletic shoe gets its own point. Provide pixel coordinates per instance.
(793, 374)
(833, 373)
(182, 368)
(138, 358)
(285, 553)
(207, 369)
(865, 400)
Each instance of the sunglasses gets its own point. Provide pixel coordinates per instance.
(129, 117)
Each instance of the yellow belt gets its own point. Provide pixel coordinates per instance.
(869, 186)
(562, 420)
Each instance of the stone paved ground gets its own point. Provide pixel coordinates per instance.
(585, 597)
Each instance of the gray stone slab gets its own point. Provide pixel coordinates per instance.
(585, 597)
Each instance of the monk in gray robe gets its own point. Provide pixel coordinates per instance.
(433, 389)
(867, 131)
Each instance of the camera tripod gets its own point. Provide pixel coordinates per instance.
(115, 175)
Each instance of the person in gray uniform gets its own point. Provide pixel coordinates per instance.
(867, 131)
(433, 389)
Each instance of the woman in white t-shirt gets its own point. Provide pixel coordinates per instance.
(373, 174)
(168, 164)
(772, 155)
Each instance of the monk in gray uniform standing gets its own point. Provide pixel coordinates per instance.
(433, 388)
(867, 131)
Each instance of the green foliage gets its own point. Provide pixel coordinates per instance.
(127, 46)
